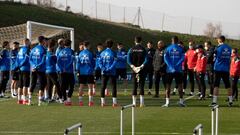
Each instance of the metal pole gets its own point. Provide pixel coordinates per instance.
(138, 14)
(82, 6)
(29, 30)
(212, 121)
(72, 39)
(109, 11)
(133, 125)
(96, 8)
(200, 131)
(124, 14)
(121, 122)
(216, 124)
(163, 18)
(191, 25)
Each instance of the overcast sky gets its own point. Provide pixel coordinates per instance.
(178, 12)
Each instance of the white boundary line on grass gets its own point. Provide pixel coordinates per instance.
(140, 133)
(2, 100)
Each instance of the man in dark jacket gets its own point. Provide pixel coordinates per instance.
(137, 59)
(159, 67)
(149, 65)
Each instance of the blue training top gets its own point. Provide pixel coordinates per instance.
(107, 62)
(5, 60)
(37, 58)
(222, 58)
(51, 61)
(23, 59)
(121, 59)
(65, 60)
(86, 62)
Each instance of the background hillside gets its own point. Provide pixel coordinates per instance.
(86, 28)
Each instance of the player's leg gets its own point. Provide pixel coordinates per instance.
(141, 85)
(203, 86)
(184, 81)
(82, 82)
(135, 86)
(42, 80)
(49, 87)
(105, 79)
(235, 87)
(26, 89)
(179, 81)
(63, 85)
(12, 84)
(169, 78)
(114, 90)
(33, 83)
(226, 81)
(4, 81)
(191, 81)
(157, 77)
(217, 79)
(90, 81)
(198, 83)
(150, 79)
(55, 81)
(20, 89)
(71, 87)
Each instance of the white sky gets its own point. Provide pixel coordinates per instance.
(178, 12)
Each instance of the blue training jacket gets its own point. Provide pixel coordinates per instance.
(51, 62)
(173, 57)
(23, 59)
(222, 58)
(59, 49)
(97, 56)
(86, 62)
(5, 60)
(14, 63)
(65, 60)
(37, 58)
(107, 62)
(121, 59)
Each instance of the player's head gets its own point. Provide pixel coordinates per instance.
(221, 39)
(5, 45)
(150, 44)
(207, 45)
(81, 46)
(61, 42)
(51, 44)
(175, 40)
(199, 48)
(15, 45)
(67, 43)
(138, 39)
(41, 40)
(191, 44)
(119, 46)
(234, 52)
(86, 44)
(109, 43)
(160, 44)
(45, 43)
(27, 42)
(99, 47)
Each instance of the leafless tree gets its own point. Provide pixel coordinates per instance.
(218, 30)
(213, 30)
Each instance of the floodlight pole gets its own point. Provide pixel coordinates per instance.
(29, 30)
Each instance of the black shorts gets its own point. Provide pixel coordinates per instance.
(15, 75)
(24, 79)
(86, 79)
(122, 72)
(38, 76)
(218, 75)
(177, 76)
(98, 75)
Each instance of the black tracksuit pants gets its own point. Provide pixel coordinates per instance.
(105, 79)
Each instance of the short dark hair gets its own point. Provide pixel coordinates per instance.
(119, 44)
(67, 42)
(209, 43)
(51, 43)
(175, 39)
(16, 43)
(181, 42)
(5, 43)
(86, 43)
(109, 43)
(222, 38)
(138, 39)
(151, 42)
(26, 39)
(235, 49)
(99, 44)
(41, 39)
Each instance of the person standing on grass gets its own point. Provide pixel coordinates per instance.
(191, 59)
(4, 68)
(149, 65)
(14, 70)
(77, 66)
(107, 64)
(221, 69)
(24, 73)
(86, 63)
(97, 74)
(174, 57)
(65, 60)
(121, 65)
(209, 50)
(201, 70)
(137, 59)
(159, 67)
(38, 68)
(51, 72)
(235, 72)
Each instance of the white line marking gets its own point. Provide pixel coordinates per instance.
(2, 100)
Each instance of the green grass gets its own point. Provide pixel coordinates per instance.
(89, 29)
(152, 119)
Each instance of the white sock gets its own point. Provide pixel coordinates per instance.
(90, 98)
(181, 101)
(214, 99)
(149, 90)
(12, 91)
(141, 99)
(114, 100)
(183, 90)
(19, 97)
(230, 99)
(167, 101)
(175, 89)
(30, 97)
(134, 100)
(80, 98)
(24, 97)
(39, 98)
(69, 99)
(94, 90)
(102, 101)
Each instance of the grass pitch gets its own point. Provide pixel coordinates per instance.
(150, 120)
